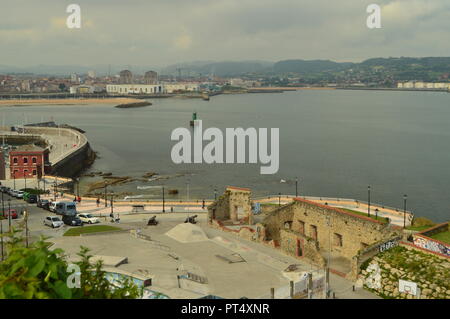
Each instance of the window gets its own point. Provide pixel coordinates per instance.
(34, 160)
(25, 160)
(25, 172)
(34, 172)
(15, 160)
(313, 230)
(301, 227)
(337, 240)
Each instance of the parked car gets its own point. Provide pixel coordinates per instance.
(52, 206)
(32, 198)
(64, 208)
(13, 213)
(88, 218)
(43, 203)
(3, 189)
(72, 220)
(19, 194)
(12, 192)
(53, 221)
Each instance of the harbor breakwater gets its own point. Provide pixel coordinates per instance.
(70, 151)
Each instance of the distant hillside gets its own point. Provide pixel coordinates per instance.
(312, 66)
(227, 68)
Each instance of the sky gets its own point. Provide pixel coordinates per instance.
(164, 32)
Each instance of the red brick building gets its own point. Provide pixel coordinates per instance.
(28, 161)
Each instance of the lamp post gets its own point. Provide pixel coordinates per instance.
(164, 202)
(187, 189)
(54, 191)
(112, 201)
(78, 186)
(14, 176)
(405, 197)
(296, 187)
(279, 199)
(9, 214)
(376, 213)
(215, 193)
(25, 176)
(368, 200)
(106, 198)
(25, 216)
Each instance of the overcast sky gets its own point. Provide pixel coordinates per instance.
(162, 32)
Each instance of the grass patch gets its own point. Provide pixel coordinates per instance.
(372, 215)
(443, 236)
(90, 229)
(419, 228)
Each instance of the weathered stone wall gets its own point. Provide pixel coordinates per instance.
(298, 245)
(234, 205)
(74, 163)
(348, 233)
(275, 221)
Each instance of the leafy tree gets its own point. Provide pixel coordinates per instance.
(62, 87)
(38, 272)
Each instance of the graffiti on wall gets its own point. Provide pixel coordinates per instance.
(388, 245)
(429, 244)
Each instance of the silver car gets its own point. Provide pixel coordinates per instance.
(53, 221)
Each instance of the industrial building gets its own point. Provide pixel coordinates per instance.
(120, 89)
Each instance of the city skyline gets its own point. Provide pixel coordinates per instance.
(162, 33)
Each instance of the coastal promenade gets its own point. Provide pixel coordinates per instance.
(89, 205)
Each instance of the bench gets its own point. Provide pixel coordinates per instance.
(137, 208)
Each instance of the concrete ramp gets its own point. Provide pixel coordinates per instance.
(112, 261)
(187, 233)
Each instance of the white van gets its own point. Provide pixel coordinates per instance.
(64, 208)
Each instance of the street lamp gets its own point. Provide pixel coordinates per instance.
(25, 176)
(296, 187)
(164, 203)
(112, 205)
(78, 186)
(9, 214)
(215, 193)
(376, 213)
(14, 176)
(106, 198)
(405, 197)
(368, 200)
(279, 199)
(187, 189)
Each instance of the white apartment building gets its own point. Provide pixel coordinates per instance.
(135, 89)
(176, 87)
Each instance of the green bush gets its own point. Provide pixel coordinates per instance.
(38, 272)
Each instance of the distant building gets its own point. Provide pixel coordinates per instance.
(181, 87)
(28, 161)
(91, 74)
(123, 89)
(82, 89)
(151, 77)
(125, 77)
(74, 78)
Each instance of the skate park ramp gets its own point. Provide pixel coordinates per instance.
(187, 233)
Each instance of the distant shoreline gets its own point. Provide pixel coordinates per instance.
(79, 101)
